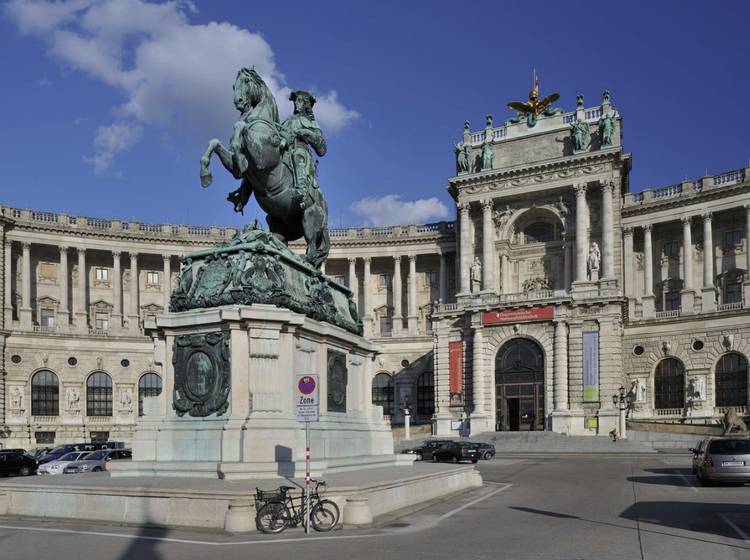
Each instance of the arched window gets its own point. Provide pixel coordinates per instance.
(149, 385)
(382, 392)
(539, 232)
(731, 380)
(99, 394)
(45, 394)
(669, 384)
(426, 394)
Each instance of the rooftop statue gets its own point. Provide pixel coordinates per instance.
(535, 107)
(274, 162)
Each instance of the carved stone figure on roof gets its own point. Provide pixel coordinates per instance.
(607, 129)
(534, 107)
(462, 158)
(581, 136)
(487, 156)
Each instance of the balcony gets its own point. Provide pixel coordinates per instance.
(669, 314)
(733, 306)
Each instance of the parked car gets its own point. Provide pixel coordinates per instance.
(722, 459)
(58, 465)
(61, 450)
(456, 451)
(38, 452)
(13, 462)
(424, 451)
(486, 450)
(97, 461)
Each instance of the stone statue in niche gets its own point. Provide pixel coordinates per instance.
(73, 399)
(475, 275)
(594, 260)
(580, 135)
(487, 157)
(696, 389)
(126, 400)
(606, 129)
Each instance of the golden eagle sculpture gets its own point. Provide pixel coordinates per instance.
(534, 107)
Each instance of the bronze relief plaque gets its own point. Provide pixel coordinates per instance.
(337, 378)
(201, 374)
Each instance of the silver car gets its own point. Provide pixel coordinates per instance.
(58, 466)
(722, 459)
(97, 461)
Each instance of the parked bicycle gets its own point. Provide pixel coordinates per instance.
(279, 509)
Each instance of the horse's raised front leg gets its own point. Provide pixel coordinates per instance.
(225, 156)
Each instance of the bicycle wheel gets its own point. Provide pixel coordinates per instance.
(272, 517)
(324, 515)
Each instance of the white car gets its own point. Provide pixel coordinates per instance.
(57, 467)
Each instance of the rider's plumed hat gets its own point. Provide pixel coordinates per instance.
(304, 94)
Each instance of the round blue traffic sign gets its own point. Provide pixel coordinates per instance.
(306, 385)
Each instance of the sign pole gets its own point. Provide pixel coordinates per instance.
(307, 478)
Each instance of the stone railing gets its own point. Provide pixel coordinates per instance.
(45, 419)
(668, 411)
(734, 306)
(379, 232)
(98, 419)
(741, 410)
(98, 332)
(686, 188)
(667, 314)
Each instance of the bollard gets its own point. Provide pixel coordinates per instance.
(357, 511)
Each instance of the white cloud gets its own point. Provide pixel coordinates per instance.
(391, 210)
(172, 73)
(110, 140)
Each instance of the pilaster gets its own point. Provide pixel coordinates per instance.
(687, 295)
(465, 248)
(412, 318)
(398, 313)
(25, 311)
(649, 309)
(709, 290)
(488, 248)
(63, 313)
(133, 314)
(81, 313)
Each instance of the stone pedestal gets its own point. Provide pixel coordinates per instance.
(687, 302)
(708, 299)
(648, 307)
(228, 395)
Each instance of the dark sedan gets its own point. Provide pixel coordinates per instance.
(456, 451)
(424, 451)
(14, 463)
(486, 450)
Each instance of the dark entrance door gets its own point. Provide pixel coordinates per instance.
(519, 382)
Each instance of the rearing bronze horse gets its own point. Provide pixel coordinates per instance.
(258, 154)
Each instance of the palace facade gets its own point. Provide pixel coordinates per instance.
(555, 287)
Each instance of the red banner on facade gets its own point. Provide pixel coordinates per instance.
(456, 367)
(546, 313)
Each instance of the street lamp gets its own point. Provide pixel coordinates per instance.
(622, 401)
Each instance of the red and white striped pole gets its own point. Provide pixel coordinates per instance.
(307, 477)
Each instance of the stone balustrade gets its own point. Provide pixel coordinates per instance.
(686, 188)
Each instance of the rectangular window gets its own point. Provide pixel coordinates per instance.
(431, 279)
(47, 318)
(102, 321)
(99, 437)
(672, 301)
(102, 274)
(44, 437)
(385, 280)
(671, 249)
(152, 278)
(733, 292)
(732, 239)
(386, 326)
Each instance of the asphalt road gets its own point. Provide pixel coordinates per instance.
(551, 508)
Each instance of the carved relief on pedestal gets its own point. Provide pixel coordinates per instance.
(72, 401)
(16, 402)
(126, 401)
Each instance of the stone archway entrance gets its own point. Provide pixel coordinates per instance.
(519, 386)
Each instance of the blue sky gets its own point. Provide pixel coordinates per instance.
(107, 106)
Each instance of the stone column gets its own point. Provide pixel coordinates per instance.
(443, 279)
(366, 305)
(81, 313)
(25, 311)
(608, 234)
(709, 290)
(505, 274)
(8, 280)
(133, 315)
(477, 379)
(747, 256)
(648, 274)
(398, 314)
(353, 283)
(582, 248)
(561, 366)
(167, 286)
(63, 314)
(687, 296)
(627, 269)
(412, 318)
(488, 247)
(465, 248)
(568, 264)
(117, 284)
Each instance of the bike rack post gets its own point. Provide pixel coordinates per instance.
(306, 516)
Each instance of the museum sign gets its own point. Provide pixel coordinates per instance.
(546, 313)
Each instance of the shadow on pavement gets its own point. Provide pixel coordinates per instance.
(144, 547)
(661, 513)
